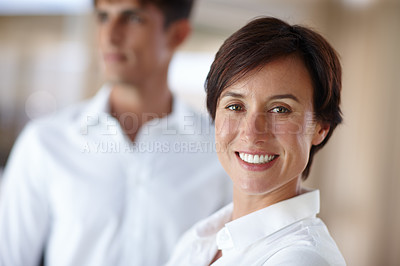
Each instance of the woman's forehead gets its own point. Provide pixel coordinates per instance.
(288, 70)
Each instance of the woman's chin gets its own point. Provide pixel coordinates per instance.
(253, 187)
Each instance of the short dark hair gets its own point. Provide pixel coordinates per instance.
(266, 39)
(172, 10)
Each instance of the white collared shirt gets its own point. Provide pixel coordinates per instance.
(78, 188)
(286, 233)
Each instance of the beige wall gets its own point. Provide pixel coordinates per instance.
(53, 61)
(359, 172)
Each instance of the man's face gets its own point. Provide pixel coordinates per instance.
(133, 42)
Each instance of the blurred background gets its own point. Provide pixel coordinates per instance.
(49, 59)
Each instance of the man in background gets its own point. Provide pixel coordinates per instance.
(117, 179)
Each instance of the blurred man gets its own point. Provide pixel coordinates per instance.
(117, 179)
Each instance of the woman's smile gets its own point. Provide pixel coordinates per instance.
(256, 158)
(256, 161)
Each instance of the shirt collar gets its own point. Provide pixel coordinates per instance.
(98, 106)
(248, 229)
(215, 222)
(167, 124)
(100, 103)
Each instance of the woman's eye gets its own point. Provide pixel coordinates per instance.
(280, 110)
(234, 107)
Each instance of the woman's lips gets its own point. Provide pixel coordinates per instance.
(256, 158)
(256, 161)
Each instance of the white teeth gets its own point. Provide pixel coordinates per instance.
(256, 159)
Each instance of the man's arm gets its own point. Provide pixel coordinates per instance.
(23, 208)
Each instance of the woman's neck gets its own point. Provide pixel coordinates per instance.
(244, 203)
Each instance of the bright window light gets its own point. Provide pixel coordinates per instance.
(38, 7)
(188, 71)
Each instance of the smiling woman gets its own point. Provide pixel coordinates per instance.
(273, 91)
(269, 114)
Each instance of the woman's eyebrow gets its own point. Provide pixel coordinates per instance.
(275, 97)
(231, 94)
(284, 96)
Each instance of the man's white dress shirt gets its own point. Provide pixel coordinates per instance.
(76, 187)
(286, 233)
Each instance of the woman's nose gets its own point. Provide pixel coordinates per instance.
(255, 127)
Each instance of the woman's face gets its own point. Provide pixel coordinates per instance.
(265, 127)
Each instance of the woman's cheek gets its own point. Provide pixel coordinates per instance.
(286, 127)
(226, 129)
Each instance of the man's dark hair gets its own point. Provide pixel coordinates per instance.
(172, 10)
(266, 39)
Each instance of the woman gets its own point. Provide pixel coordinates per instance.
(273, 91)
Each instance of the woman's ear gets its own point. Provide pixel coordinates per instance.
(321, 131)
(178, 31)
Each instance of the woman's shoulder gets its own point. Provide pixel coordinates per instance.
(299, 256)
(310, 244)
